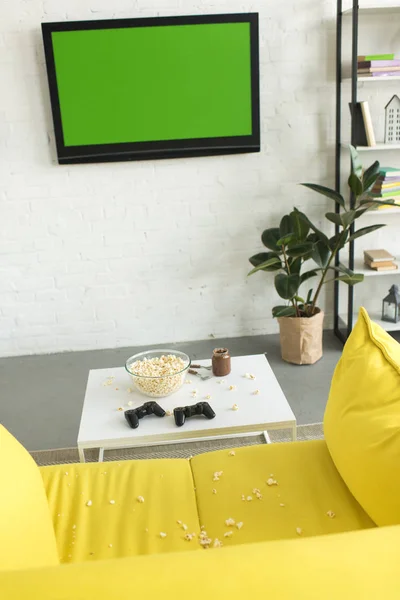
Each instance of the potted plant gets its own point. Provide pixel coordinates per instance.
(295, 242)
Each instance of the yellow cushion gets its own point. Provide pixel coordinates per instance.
(127, 526)
(308, 485)
(362, 564)
(362, 419)
(26, 532)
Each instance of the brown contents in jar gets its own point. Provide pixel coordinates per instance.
(221, 362)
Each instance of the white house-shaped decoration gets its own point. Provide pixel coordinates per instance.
(392, 121)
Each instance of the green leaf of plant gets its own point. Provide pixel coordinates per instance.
(287, 285)
(300, 250)
(370, 176)
(299, 227)
(351, 279)
(305, 219)
(262, 257)
(285, 240)
(364, 231)
(308, 299)
(268, 263)
(295, 264)
(284, 311)
(356, 165)
(321, 189)
(320, 254)
(340, 238)
(355, 184)
(285, 226)
(334, 218)
(269, 238)
(308, 275)
(373, 202)
(299, 299)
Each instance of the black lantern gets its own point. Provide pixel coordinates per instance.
(391, 306)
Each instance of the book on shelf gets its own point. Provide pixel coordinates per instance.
(379, 265)
(389, 172)
(365, 71)
(360, 131)
(379, 74)
(378, 64)
(369, 130)
(385, 195)
(380, 185)
(390, 267)
(365, 57)
(379, 255)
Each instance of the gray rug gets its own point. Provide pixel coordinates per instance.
(183, 450)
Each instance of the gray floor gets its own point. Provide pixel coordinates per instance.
(42, 396)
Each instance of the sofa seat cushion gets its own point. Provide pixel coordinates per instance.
(26, 532)
(308, 487)
(362, 419)
(116, 523)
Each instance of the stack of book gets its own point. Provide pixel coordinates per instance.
(379, 260)
(387, 186)
(378, 65)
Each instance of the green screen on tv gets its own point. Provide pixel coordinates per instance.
(137, 85)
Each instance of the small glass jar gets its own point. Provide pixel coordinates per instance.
(221, 362)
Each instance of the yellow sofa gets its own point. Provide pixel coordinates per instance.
(155, 528)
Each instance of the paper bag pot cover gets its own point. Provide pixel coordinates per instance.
(301, 338)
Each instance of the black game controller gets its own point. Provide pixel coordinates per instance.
(148, 408)
(183, 412)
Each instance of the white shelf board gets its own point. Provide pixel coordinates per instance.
(360, 267)
(375, 316)
(381, 212)
(374, 10)
(376, 148)
(376, 79)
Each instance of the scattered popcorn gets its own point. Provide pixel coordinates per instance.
(66, 472)
(281, 504)
(214, 491)
(249, 498)
(169, 413)
(162, 534)
(89, 503)
(232, 388)
(299, 530)
(110, 545)
(217, 475)
(109, 380)
(130, 403)
(189, 537)
(120, 408)
(194, 392)
(117, 389)
(252, 376)
(208, 397)
(205, 541)
(112, 501)
(243, 498)
(221, 381)
(230, 522)
(235, 407)
(140, 499)
(239, 525)
(256, 490)
(188, 381)
(179, 522)
(202, 527)
(129, 390)
(73, 526)
(228, 534)
(331, 514)
(59, 515)
(256, 392)
(232, 453)
(217, 543)
(184, 527)
(272, 481)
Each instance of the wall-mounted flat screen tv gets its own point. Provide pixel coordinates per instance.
(164, 87)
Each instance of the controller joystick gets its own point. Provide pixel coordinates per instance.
(148, 408)
(184, 412)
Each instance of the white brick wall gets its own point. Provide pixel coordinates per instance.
(95, 256)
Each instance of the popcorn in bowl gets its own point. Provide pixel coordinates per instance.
(158, 373)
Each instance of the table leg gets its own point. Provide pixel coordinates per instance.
(266, 437)
(81, 455)
(294, 432)
(101, 454)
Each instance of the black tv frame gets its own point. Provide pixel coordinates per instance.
(157, 149)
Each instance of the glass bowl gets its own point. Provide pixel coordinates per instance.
(155, 385)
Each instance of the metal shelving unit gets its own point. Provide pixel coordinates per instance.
(343, 321)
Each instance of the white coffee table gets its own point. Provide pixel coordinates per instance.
(104, 426)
